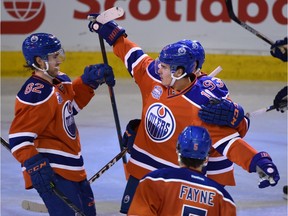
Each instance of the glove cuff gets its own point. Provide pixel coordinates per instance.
(256, 158)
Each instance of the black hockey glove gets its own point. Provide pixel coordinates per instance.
(278, 50)
(109, 31)
(280, 100)
(95, 75)
(130, 134)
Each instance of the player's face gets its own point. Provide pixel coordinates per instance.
(54, 61)
(165, 73)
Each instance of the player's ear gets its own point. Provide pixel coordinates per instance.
(39, 62)
(179, 72)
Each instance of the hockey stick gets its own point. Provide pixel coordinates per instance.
(108, 165)
(112, 14)
(265, 109)
(38, 207)
(244, 25)
(216, 71)
(57, 192)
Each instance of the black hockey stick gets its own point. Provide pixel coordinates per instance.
(265, 109)
(39, 207)
(108, 165)
(113, 102)
(244, 25)
(58, 193)
(109, 15)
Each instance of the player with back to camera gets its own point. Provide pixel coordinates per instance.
(172, 97)
(43, 135)
(279, 50)
(185, 190)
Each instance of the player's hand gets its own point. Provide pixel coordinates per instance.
(95, 75)
(130, 134)
(279, 49)
(41, 173)
(222, 112)
(266, 169)
(109, 31)
(280, 100)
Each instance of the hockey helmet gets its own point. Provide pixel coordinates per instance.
(178, 55)
(42, 45)
(194, 142)
(197, 50)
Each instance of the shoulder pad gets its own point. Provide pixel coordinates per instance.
(35, 90)
(215, 85)
(152, 71)
(63, 77)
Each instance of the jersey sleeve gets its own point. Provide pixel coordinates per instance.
(83, 94)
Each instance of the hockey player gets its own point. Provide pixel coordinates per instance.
(279, 50)
(185, 190)
(281, 96)
(219, 111)
(172, 97)
(43, 135)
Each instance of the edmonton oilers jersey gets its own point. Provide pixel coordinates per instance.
(44, 123)
(172, 191)
(166, 112)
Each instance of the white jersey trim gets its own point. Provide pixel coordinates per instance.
(58, 152)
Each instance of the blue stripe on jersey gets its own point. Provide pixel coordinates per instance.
(145, 159)
(19, 139)
(59, 159)
(218, 165)
(186, 174)
(136, 54)
(152, 71)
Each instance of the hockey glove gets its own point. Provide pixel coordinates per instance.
(95, 75)
(109, 31)
(280, 100)
(266, 169)
(222, 112)
(40, 172)
(130, 134)
(278, 52)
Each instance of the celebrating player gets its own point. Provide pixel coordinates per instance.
(279, 50)
(43, 136)
(184, 190)
(172, 97)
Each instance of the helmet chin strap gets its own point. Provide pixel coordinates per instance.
(176, 78)
(45, 71)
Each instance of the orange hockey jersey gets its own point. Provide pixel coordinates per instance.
(166, 112)
(177, 192)
(44, 123)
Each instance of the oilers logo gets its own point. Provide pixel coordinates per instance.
(68, 120)
(159, 123)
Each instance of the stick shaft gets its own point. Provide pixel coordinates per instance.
(107, 166)
(244, 25)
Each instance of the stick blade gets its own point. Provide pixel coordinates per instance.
(34, 206)
(108, 15)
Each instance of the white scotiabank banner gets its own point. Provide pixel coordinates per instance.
(152, 24)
